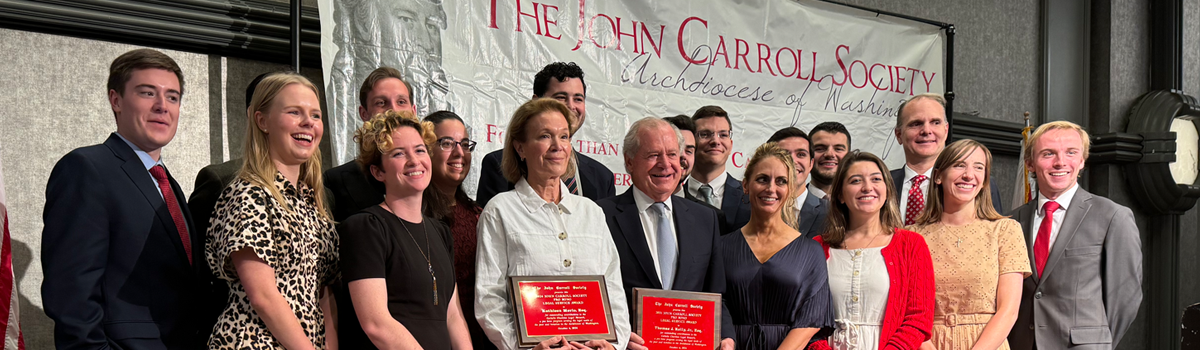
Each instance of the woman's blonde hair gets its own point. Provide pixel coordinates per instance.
(772, 150)
(951, 155)
(838, 219)
(258, 168)
(511, 165)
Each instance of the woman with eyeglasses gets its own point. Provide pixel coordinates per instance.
(445, 200)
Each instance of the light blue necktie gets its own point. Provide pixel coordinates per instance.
(666, 246)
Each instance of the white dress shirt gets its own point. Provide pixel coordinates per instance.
(650, 223)
(1064, 201)
(816, 191)
(800, 203)
(718, 186)
(909, 174)
(147, 161)
(520, 234)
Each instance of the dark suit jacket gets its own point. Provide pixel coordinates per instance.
(898, 181)
(700, 266)
(352, 190)
(734, 204)
(1091, 287)
(812, 216)
(596, 180)
(116, 274)
(724, 224)
(210, 182)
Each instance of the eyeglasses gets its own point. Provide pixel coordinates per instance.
(448, 145)
(708, 135)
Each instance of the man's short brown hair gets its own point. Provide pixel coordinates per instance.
(710, 112)
(376, 75)
(123, 67)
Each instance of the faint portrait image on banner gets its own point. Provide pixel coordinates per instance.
(769, 63)
(406, 35)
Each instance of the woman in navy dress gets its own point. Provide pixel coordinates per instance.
(776, 287)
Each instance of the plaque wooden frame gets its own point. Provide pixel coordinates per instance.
(639, 295)
(517, 300)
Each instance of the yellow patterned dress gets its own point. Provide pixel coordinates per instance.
(967, 263)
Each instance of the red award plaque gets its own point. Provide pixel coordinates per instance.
(674, 320)
(575, 307)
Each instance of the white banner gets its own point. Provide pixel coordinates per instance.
(769, 63)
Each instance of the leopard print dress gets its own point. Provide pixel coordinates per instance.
(299, 245)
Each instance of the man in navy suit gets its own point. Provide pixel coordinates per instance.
(811, 210)
(665, 242)
(688, 157)
(921, 129)
(709, 182)
(124, 266)
(563, 82)
(352, 190)
(830, 141)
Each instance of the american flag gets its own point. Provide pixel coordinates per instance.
(10, 313)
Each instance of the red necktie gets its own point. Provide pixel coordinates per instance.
(164, 185)
(916, 201)
(1041, 244)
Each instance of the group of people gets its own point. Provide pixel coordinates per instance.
(272, 252)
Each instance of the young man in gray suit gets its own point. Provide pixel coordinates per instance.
(811, 209)
(1085, 250)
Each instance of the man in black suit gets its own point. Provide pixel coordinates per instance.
(709, 182)
(811, 210)
(665, 242)
(688, 157)
(563, 82)
(830, 141)
(124, 266)
(212, 179)
(921, 129)
(383, 90)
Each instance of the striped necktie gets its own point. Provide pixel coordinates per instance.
(572, 186)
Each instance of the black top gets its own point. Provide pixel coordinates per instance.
(376, 245)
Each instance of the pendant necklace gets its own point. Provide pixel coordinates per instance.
(957, 239)
(423, 255)
(428, 263)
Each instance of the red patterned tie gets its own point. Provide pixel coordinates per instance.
(164, 185)
(916, 201)
(1041, 244)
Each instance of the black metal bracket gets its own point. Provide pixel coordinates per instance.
(1117, 148)
(1000, 137)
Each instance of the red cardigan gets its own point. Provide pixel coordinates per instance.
(908, 317)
